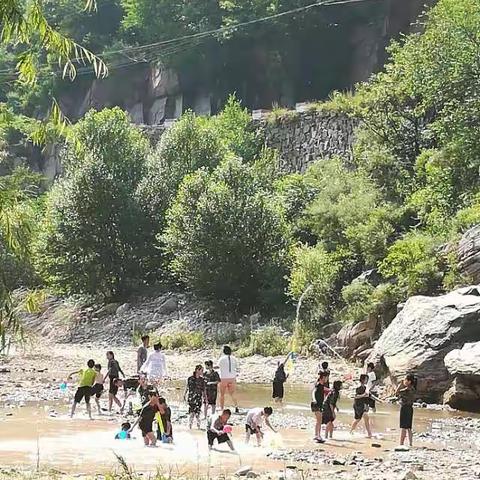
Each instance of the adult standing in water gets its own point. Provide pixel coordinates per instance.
(228, 370)
(142, 352)
(155, 367)
(406, 391)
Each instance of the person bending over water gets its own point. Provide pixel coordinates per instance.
(406, 391)
(146, 418)
(164, 420)
(360, 406)
(212, 379)
(329, 407)
(216, 429)
(228, 367)
(155, 367)
(318, 395)
(84, 390)
(254, 422)
(194, 395)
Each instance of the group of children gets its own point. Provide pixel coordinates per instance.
(325, 398)
(201, 395)
(91, 384)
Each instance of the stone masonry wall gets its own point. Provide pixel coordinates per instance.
(303, 137)
(299, 137)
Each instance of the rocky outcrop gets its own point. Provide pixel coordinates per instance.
(468, 254)
(423, 333)
(354, 340)
(464, 365)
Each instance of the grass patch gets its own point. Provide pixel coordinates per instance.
(268, 342)
(183, 341)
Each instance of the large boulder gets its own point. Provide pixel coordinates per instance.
(468, 254)
(351, 337)
(464, 364)
(423, 333)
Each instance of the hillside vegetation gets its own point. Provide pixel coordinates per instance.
(207, 210)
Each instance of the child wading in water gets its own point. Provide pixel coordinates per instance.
(146, 418)
(212, 379)
(194, 394)
(329, 407)
(216, 429)
(278, 381)
(318, 396)
(97, 388)
(254, 422)
(113, 373)
(360, 406)
(407, 393)
(84, 390)
(164, 420)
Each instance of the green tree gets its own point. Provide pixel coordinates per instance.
(227, 238)
(95, 238)
(415, 264)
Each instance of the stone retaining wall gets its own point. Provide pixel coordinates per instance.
(303, 137)
(299, 137)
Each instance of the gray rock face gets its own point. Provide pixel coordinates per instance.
(358, 337)
(464, 364)
(423, 333)
(168, 306)
(468, 252)
(464, 361)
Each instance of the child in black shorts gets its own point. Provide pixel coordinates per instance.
(97, 388)
(360, 406)
(318, 394)
(84, 390)
(216, 430)
(212, 379)
(146, 418)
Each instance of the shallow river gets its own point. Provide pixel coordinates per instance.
(32, 436)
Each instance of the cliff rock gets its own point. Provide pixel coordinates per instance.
(423, 333)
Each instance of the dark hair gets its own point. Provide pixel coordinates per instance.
(145, 337)
(324, 365)
(98, 366)
(363, 377)
(227, 350)
(197, 368)
(91, 363)
(371, 365)
(337, 385)
(322, 374)
(268, 410)
(152, 393)
(162, 401)
(157, 346)
(126, 426)
(412, 379)
(111, 353)
(209, 363)
(227, 411)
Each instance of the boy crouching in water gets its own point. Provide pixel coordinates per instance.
(218, 429)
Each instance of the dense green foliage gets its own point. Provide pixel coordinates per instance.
(94, 237)
(208, 210)
(226, 236)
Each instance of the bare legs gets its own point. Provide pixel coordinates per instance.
(230, 387)
(403, 435)
(113, 398)
(318, 425)
(366, 420)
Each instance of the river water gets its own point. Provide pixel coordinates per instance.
(41, 435)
